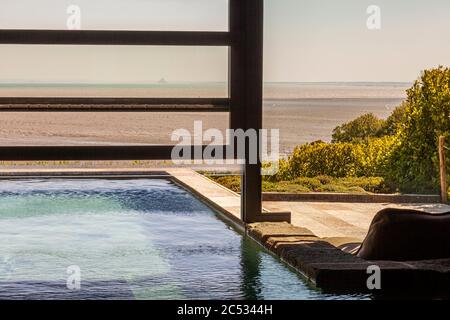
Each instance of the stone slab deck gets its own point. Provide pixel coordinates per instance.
(334, 270)
(346, 220)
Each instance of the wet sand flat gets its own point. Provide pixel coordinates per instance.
(299, 121)
(302, 112)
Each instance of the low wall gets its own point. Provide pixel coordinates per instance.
(356, 198)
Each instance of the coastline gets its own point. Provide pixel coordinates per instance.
(303, 112)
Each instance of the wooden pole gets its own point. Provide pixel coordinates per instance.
(443, 170)
(246, 91)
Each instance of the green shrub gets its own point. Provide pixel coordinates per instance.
(312, 184)
(231, 182)
(324, 179)
(340, 189)
(369, 184)
(362, 128)
(337, 160)
(414, 162)
(394, 121)
(284, 186)
(317, 184)
(402, 150)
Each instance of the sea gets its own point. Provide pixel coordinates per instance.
(303, 112)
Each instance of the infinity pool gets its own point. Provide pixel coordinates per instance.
(129, 239)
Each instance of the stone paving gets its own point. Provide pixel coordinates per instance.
(327, 220)
(324, 219)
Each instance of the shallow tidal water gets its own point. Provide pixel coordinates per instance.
(130, 239)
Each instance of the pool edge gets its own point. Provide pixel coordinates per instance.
(319, 262)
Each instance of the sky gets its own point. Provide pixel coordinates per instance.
(305, 41)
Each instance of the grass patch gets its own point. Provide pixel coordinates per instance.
(317, 184)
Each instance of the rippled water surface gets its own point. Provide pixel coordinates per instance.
(130, 239)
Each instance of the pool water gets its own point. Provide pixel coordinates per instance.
(130, 239)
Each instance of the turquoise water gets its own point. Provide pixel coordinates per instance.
(130, 239)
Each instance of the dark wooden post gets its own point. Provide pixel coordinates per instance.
(443, 170)
(246, 91)
(245, 40)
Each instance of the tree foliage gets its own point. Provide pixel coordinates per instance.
(402, 149)
(414, 163)
(369, 126)
(362, 128)
(393, 123)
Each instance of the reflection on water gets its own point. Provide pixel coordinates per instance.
(132, 239)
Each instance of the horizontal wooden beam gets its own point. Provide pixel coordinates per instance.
(110, 37)
(93, 153)
(59, 104)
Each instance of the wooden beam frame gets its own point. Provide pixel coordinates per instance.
(443, 170)
(92, 153)
(245, 42)
(246, 91)
(115, 37)
(60, 104)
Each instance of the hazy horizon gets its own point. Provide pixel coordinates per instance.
(19, 82)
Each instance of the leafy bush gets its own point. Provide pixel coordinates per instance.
(369, 184)
(337, 159)
(414, 161)
(369, 126)
(402, 149)
(340, 189)
(312, 184)
(231, 182)
(324, 179)
(362, 128)
(393, 123)
(284, 186)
